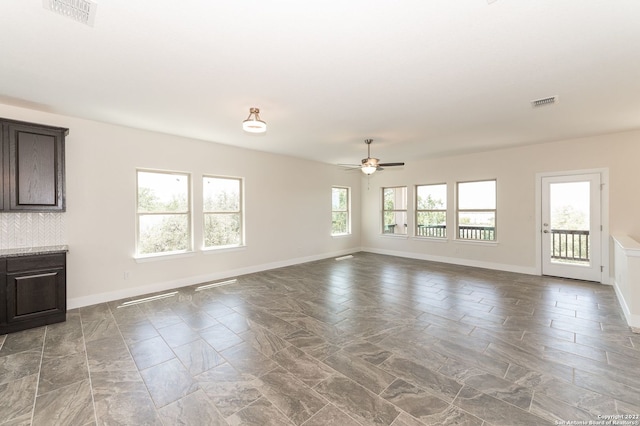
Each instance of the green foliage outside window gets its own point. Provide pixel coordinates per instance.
(340, 211)
(394, 210)
(222, 211)
(163, 213)
(431, 216)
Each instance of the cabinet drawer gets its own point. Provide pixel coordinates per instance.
(35, 263)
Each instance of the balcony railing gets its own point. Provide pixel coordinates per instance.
(438, 231)
(466, 232)
(487, 233)
(566, 244)
(570, 245)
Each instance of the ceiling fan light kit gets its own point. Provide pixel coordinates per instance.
(370, 165)
(368, 169)
(253, 123)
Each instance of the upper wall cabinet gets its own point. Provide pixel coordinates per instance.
(32, 167)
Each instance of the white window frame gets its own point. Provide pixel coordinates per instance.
(187, 213)
(348, 211)
(239, 212)
(443, 210)
(478, 210)
(395, 211)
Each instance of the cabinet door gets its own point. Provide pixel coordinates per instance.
(3, 292)
(36, 168)
(4, 162)
(36, 295)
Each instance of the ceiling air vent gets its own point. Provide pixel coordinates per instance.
(544, 101)
(79, 10)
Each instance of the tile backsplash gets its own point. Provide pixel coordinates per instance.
(31, 230)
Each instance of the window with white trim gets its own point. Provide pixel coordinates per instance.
(394, 210)
(222, 210)
(163, 213)
(431, 210)
(476, 210)
(340, 211)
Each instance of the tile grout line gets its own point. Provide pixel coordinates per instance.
(155, 407)
(35, 397)
(86, 356)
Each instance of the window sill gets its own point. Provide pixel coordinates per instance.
(163, 256)
(222, 249)
(431, 239)
(399, 236)
(476, 242)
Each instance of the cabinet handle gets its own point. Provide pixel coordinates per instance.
(37, 276)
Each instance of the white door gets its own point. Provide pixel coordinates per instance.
(571, 227)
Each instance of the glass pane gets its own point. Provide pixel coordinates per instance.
(432, 197)
(221, 195)
(431, 224)
(477, 226)
(162, 192)
(339, 199)
(569, 204)
(339, 223)
(222, 230)
(395, 198)
(163, 233)
(395, 223)
(570, 218)
(477, 195)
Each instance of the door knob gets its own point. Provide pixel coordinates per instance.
(546, 231)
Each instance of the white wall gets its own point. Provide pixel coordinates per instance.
(287, 210)
(288, 203)
(515, 169)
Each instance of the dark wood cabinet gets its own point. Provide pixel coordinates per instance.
(34, 290)
(3, 293)
(33, 167)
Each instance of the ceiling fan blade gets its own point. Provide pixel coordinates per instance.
(391, 164)
(349, 167)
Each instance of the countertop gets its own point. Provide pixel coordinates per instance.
(32, 251)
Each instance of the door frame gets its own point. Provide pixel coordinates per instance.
(604, 217)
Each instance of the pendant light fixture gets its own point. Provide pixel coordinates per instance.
(253, 124)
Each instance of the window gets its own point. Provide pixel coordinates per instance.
(163, 210)
(431, 210)
(477, 210)
(222, 204)
(394, 210)
(340, 213)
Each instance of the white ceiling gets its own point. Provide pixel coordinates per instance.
(421, 77)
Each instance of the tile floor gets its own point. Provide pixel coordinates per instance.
(374, 340)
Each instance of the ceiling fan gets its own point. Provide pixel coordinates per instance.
(369, 165)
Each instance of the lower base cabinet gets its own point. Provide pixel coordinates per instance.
(34, 291)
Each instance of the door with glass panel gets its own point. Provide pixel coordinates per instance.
(571, 227)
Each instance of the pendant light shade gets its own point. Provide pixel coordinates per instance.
(253, 124)
(368, 169)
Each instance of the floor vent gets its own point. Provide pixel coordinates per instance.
(147, 299)
(218, 284)
(349, 256)
(79, 10)
(544, 101)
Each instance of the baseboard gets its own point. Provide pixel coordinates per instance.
(633, 320)
(455, 261)
(79, 302)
